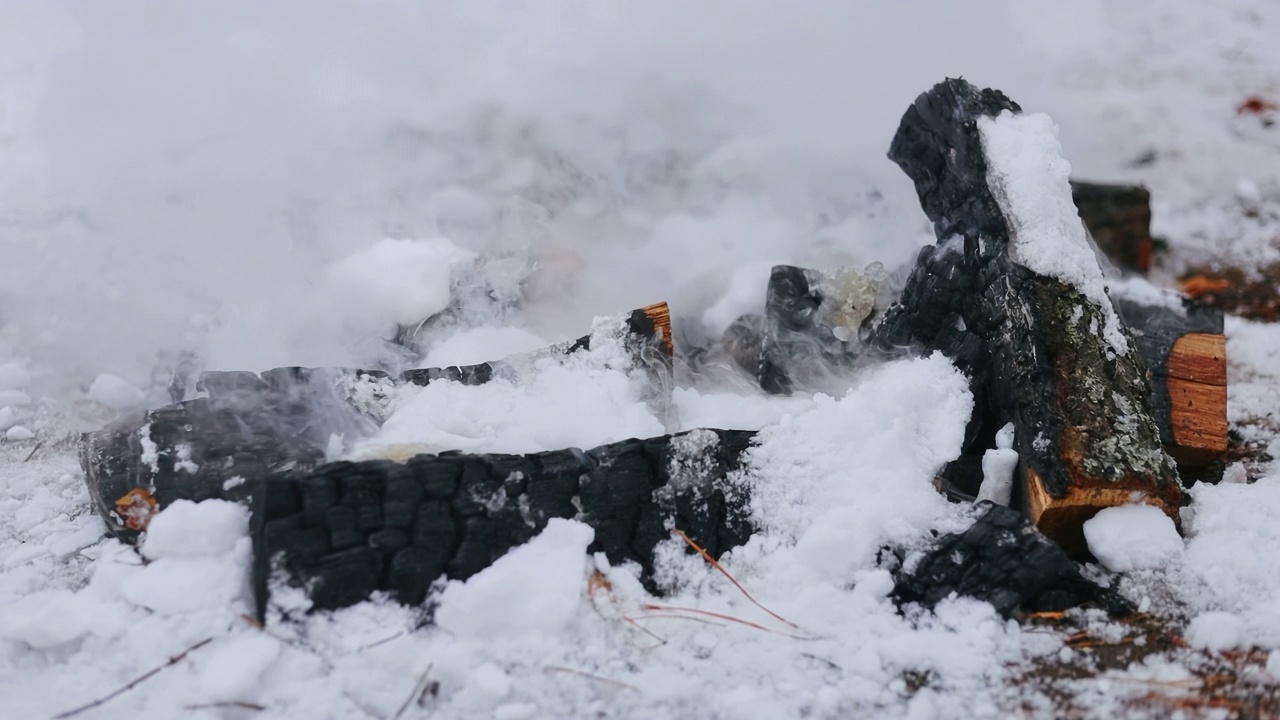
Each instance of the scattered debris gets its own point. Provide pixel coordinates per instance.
(1250, 294)
(135, 682)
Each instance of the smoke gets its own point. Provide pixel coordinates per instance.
(179, 176)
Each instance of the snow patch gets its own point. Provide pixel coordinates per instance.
(18, 433)
(1216, 631)
(1029, 179)
(189, 529)
(1133, 537)
(536, 588)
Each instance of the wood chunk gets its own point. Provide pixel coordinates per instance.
(1199, 415)
(630, 492)
(1199, 358)
(1187, 353)
(1119, 219)
(1083, 431)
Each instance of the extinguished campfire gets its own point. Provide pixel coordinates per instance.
(1084, 399)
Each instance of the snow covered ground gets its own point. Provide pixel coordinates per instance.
(271, 185)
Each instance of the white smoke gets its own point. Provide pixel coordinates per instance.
(179, 175)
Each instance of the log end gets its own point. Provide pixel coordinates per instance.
(1062, 519)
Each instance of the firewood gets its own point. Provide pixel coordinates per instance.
(1078, 403)
(251, 425)
(1119, 219)
(1186, 352)
(345, 530)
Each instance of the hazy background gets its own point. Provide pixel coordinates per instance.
(178, 174)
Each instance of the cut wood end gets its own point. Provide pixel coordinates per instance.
(1199, 414)
(1199, 357)
(1062, 519)
(660, 315)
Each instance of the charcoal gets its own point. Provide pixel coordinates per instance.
(814, 325)
(1002, 559)
(626, 491)
(252, 425)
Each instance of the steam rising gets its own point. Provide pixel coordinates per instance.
(180, 176)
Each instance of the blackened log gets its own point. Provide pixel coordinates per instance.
(1119, 219)
(1083, 431)
(251, 425)
(1186, 351)
(815, 324)
(1002, 559)
(452, 515)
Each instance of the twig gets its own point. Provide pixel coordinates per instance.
(237, 704)
(722, 616)
(134, 683)
(383, 641)
(34, 450)
(419, 692)
(673, 616)
(707, 556)
(585, 674)
(661, 640)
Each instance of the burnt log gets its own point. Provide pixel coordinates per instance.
(1186, 351)
(251, 425)
(346, 530)
(1030, 343)
(1003, 560)
(815, 324)
(1119, 219)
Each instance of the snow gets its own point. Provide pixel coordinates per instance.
(1216, 631)
(659, 151)
(1133, 537)
(115, 392)
(582, 399)
(1228, 568)
(47, 618)
(998, 465)
(18, 433)
(1028, 178)
(544, 576)
(186, 529)
(236, 666)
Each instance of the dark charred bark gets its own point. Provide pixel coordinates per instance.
(252, 425)
(1002, 559)
(346, 530)
(1119, 219)
(1083, 432)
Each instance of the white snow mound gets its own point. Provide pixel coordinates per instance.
(1133, 537)
(536, 588)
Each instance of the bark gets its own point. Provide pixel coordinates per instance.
(346, 530)
(1083, 431)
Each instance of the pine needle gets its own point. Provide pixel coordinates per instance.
(721, 616)
(135, 682)
(707, 556)
(593, 676)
